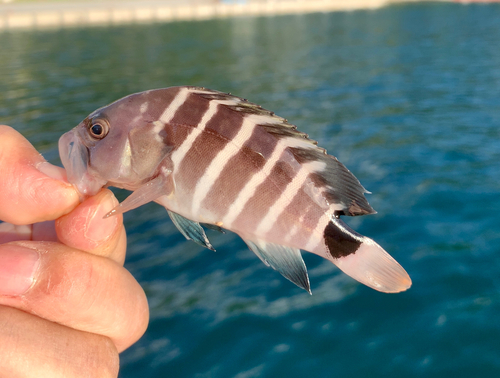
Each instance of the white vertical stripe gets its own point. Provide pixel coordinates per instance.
(295, 228)
(258, 178)
(179, 154)
(169, 112)
(215, 168)
(251, 186)
(317, 234)
(293, 187)
(125, 160)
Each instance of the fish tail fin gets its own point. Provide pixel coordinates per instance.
(363, 259)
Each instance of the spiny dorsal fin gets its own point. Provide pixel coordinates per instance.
(338, 184)
(273, 124)
(341, 186)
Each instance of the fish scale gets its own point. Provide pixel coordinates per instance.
(216, 159)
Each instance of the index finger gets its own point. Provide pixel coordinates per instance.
(31, 189)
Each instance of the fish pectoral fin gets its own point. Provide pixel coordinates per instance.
(190, 229)
(287, 261)
(152, 190)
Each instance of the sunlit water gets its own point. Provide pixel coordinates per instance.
(408, 97)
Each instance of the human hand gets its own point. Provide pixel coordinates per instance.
(67, 304)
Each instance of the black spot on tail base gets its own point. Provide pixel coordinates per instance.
(338, 242)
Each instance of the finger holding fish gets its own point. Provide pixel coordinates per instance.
(31, 189)
(39, 231)
(87, 229)
(75, 289)
(80, 285)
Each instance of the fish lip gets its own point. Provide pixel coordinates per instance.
(75, 157)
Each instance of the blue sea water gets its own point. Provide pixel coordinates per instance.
(407, 96)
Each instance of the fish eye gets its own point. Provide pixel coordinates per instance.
(98, 130)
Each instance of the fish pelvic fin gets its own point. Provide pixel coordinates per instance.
(190, 229)
(213, 227)
(287, 261)
(363, 259)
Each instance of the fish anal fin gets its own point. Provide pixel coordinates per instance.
(190, 229)
(287, 261)
(150, 191)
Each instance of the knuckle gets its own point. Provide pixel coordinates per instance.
(32, 346)
(100, 358)
(130, 322)
(69, 278)
(106, 360)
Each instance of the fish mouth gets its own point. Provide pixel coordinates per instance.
(75, 158)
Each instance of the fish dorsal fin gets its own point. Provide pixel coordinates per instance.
(190, 229)
(336, 183)
(288, 261)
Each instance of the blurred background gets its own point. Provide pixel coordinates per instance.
(407, 96)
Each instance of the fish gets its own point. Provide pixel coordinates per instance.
(218, 161)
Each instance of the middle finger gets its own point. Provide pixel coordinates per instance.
(73, 288)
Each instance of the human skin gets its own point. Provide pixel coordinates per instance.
(68, 307)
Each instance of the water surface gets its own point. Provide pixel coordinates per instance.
(408, 97)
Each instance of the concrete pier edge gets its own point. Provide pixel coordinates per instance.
(59, 15)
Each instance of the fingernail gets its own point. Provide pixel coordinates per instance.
(99, 228)
(18, 269)
(52, 171)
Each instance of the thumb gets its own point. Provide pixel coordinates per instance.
(31, 189)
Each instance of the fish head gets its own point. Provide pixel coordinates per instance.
(117, 145)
